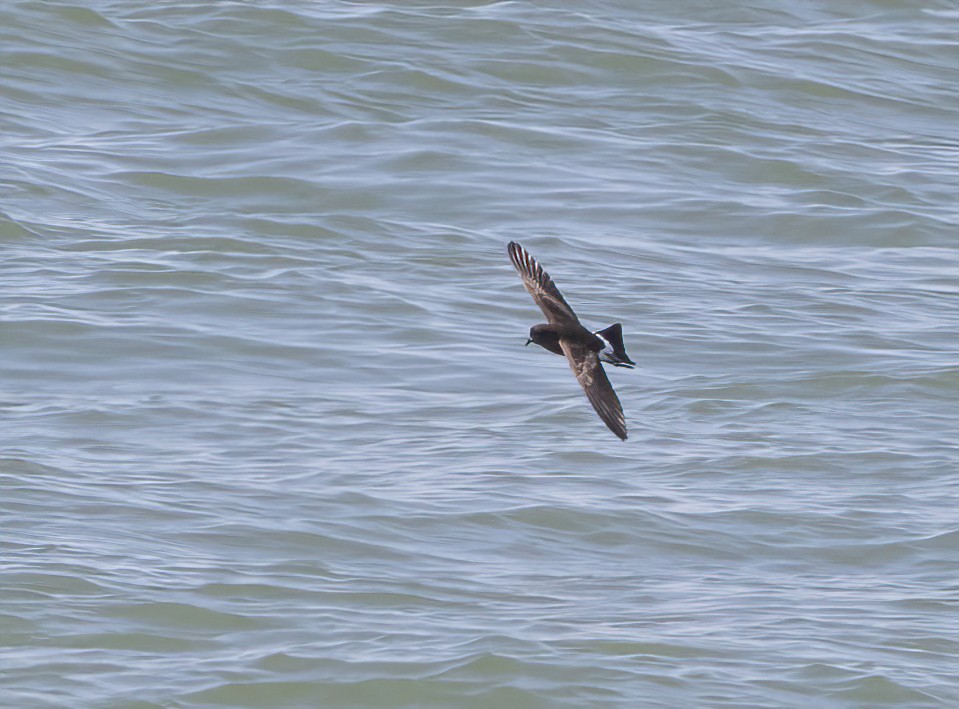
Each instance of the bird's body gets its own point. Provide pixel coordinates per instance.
(565, 335)
(548, 336)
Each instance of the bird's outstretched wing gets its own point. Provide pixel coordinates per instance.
(541, 286)
(592, 377)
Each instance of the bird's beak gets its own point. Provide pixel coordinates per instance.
(527, 343)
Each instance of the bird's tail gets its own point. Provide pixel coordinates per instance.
(615, 353)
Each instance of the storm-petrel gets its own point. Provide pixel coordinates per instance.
(565, 335)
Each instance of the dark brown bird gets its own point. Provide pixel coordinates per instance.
(565, 335)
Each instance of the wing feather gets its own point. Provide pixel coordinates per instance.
(592, 377)
(541, 286)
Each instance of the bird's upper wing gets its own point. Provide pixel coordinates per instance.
(591, 375)
(541, 286)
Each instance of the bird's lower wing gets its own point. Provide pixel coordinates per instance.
(592, 377)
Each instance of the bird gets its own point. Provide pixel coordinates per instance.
(565, 335)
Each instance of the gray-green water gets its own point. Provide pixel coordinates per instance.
(271, 438)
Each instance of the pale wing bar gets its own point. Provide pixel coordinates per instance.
(592, 377)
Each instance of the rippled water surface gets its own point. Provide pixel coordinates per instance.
(271, 437)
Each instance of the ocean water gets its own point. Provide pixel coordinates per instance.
(270, 434)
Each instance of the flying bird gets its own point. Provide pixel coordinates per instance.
(565, 335)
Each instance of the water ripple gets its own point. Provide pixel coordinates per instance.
(270, 428)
